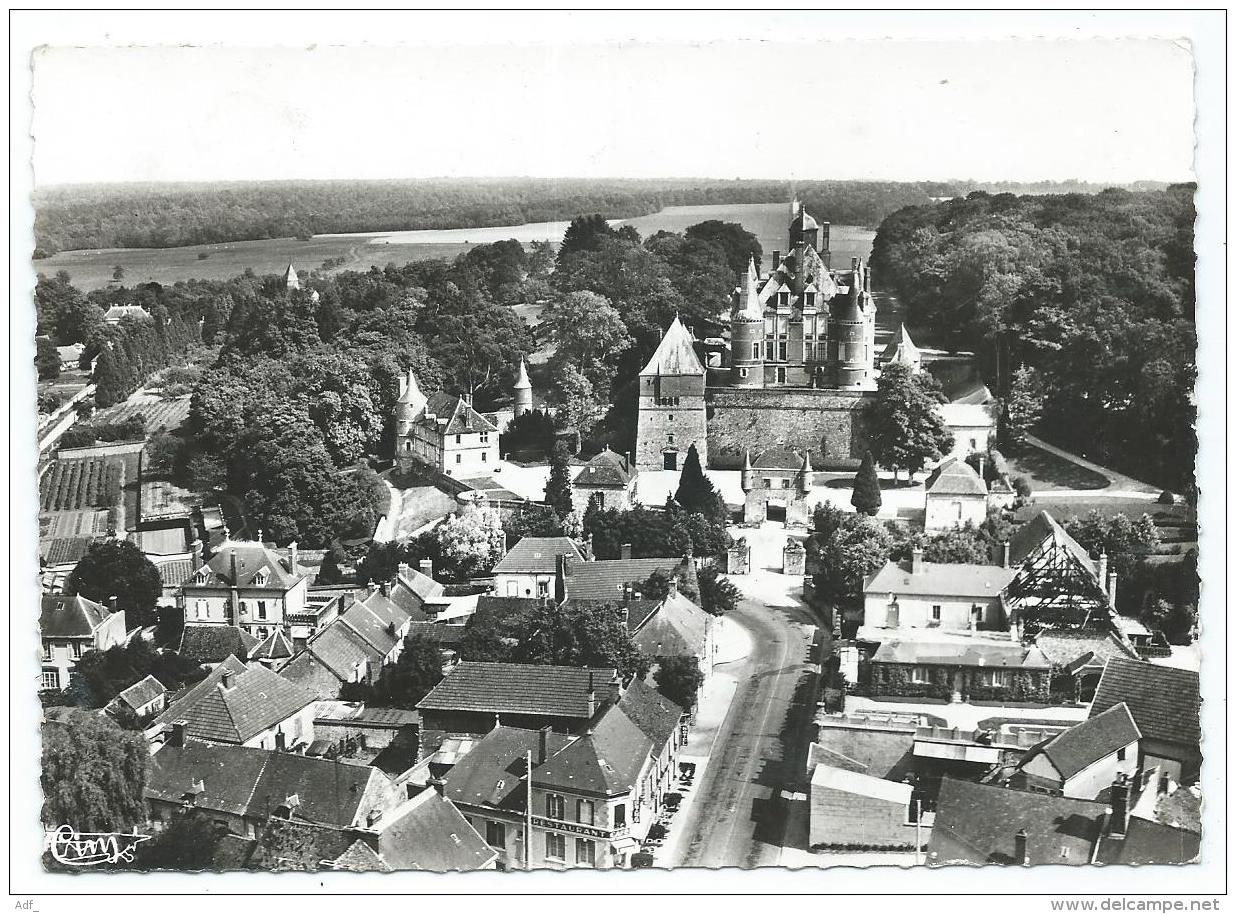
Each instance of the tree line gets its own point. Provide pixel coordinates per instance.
(1080, 308)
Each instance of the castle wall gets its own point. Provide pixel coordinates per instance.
(828, 423)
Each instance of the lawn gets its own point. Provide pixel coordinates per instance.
(1047, 472)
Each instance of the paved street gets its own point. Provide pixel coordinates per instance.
(741, 816)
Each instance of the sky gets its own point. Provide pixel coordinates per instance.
(1098, 110)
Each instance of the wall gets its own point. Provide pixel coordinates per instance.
(842, 819)
(915, 612)
(615, 498)
(1087, 783)
(825, 422)
(297, 728)
(670, 406)
(524, 585)
(945, 511)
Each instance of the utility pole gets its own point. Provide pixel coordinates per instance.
(918, 831)
(528, 817)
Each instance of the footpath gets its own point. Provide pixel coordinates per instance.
(733, 643)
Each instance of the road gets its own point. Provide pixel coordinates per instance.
(741, 816)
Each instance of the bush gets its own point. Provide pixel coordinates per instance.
(1166, 498)
(49, 402)
(202, 255)
(834, 701)
(81, 436)
(1021, 485)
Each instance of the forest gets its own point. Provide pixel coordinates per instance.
(81, 217)
(1080, 308)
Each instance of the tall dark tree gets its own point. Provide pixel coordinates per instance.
(413, 675)
(558, 487)
(93, 774)
(696, 493)
(580, 636)
(46, 359)
(718, 594)
(186, 844)
(739, 245)
(118, 568)
(584, 234)
(679, 679)
(866, 498)
(1022, 408)
(903, 422)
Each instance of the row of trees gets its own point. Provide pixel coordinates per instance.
(1081, 308)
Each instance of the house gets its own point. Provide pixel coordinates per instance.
(676, 627)
(242, 788)
(1081, 655)
(241, 706)
(614, 580)
(1056, 583)
(116, 313)
(955, 495)
(851, 809)
(531, 568)
(608, 476)
(337, 721)
(1166, 704)
(145, 697)
(960, 668)
(1084, 760)
(68, 627)
(210, 644)
(70, 356)
(245, 584)
(594, 796)
(949, 597)
(274, 651)
(442, 432)
(334, 656)
(415, 591)
(475, 697)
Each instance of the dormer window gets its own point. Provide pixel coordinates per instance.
(783, 299)
(201, 577)
(260, 579)
(809, 300)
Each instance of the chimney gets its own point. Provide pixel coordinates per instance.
(615, 689)
(426, 567)
(113, 603)
(1111, 587)
(542, 742)
(626, 616)
(281, 741)
(629, 461)
(196, 548)
(295, 555)
(1102, 571)
(198, 788)
(405, 570)
(673, 587)
(1021, 856)
(1004, 554)
(225, 681)
(592, 695)
(372, 819)
(626, 550)
(854, 265)
(1118, 825)
(894, 612)
(385, 589)
(916, 560)
(776, 261)
(627, 591)
(235, 574)
(982, 467)
(176, 738)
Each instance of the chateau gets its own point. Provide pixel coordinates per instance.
(442, 431)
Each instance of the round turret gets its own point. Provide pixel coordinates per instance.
(523, 390)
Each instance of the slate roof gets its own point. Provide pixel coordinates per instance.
(955, 477)
(359, 858)
(142, 692)
(428, 833)
(439, 633)
(654, 714)
(605, 579)
(519, 688)
(1165, 702)
(204, 642)
(1147, 842)
(1039, 529)
(989, 654)
(288, 846)
(400, 754)
(228, 774)
(678, 628)
(1077, 748)
(275, 647)
(70, 617)
(371, 625)
(257, 700)
(605, 469)
(537, 555)
(675, 354)
(607, 761)
(978, 823)
(251, 559)
(936, 579)
(490, 775)
(311, 674)
(901, 348)
(413, 589)
(879, 753)
(452, 416)
(341, 650)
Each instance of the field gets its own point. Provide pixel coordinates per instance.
(93, 269)
(160, 413)
(72, 485)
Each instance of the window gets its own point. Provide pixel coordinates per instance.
(484, 457)
(555, 847)
(459, 458)
(1120, 753)
(781, 352)
(585, 812)
(783, 299)
(669, 439)
(742, 372)
(75, 650)
(620, 815)
(918, 674)
(542, 588)
(585, 852)
(200, 608)
(512, 589)
(671, 417)
(51, 679)
(407, 445)
(459, 439)
(484, 437)
(259, 579)
(785, 483)
(47, 650)
(495, 834)
(974, 444)
(935, 613)
(755, 350)
(555, 806)
(261, 614)
(996, 678)
(810, 299)
(781, 372)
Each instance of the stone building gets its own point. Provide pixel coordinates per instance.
(442, 432)
(671, 404)
(607, 475)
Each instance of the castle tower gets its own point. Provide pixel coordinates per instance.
(409, 406)
(747, 334)
(290, 279)
(806, 475)
(748, 474)
(523, 390)
(851, 332)
(671, 404)
(804, 230)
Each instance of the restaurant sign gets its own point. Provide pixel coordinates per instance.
(571, 827)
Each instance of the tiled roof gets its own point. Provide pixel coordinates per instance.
(251, 559)
(678, 627)
(605, 469)
(1039, 529)
(955, 477)
(228, 775)
(490, 775)
(978, 823)
(989, 654)
(1077, 748)
(275, 647)
(452, 416)
(1063, 648)
(438, 632)
(604, 580)
(204, 642)
(311, 674)
(428, 833)
(654, 714)
(523, 688)
(175, 572)
(288, 846)
(342, 650)
(70, 617)
(142, 692)
(62, 550)
(256, 700)
(1165, 702)
(607, 761)
(359, 858)
(675, 354)
(936, 579)
(1148, 842)
(537, 555)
